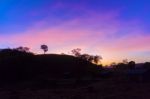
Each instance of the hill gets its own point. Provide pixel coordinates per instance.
(16, 66)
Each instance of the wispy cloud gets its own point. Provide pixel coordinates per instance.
(103, 32)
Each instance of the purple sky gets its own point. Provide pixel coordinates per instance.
(114, 29)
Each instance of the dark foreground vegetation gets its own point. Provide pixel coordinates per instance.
(24, 75)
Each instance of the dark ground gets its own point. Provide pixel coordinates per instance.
(102, 89)
(28, 76)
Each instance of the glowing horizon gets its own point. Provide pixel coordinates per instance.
(114, 29)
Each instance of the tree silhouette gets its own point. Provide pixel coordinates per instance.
(131, 65)
(76, 52)
(44, 48)
(85, 56)
(91, 58)
(22, 49)
(97, 59)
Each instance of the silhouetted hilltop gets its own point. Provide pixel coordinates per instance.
(20, 65)
(24, 73)
(64, 63)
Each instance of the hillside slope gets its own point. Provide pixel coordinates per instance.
(26, 66)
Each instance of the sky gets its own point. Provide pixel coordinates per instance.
(114, 29)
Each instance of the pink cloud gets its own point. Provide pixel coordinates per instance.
(95, 30)
(97, 34)
(132, 43)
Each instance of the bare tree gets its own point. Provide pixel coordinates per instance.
(44, 48)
